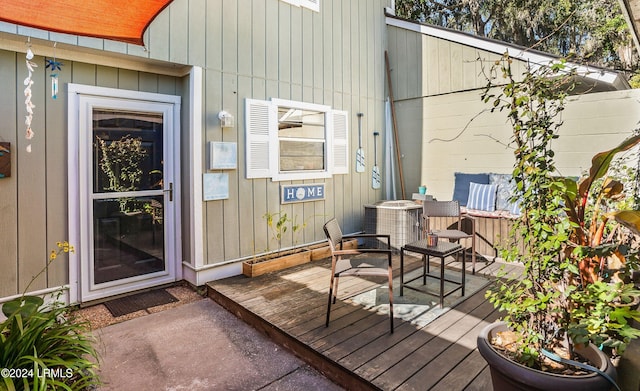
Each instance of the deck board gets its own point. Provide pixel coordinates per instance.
(472, 365)
(356, 350)
(436, 357)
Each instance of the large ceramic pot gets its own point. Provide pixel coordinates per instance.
(509, 375)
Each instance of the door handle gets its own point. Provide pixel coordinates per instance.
(170, 190)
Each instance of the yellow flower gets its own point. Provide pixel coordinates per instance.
(64, 246)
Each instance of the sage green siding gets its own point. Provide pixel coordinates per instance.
(424, 65)
(258, 49)
(270, 49)
(33, 201)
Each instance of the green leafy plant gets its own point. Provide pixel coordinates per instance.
(42, 347)
(569, 281)
(634, 81)
(279, 223)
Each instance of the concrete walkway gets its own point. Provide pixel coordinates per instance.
(198, 346)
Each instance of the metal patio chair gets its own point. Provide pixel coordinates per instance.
(432, 209)
(346, 262)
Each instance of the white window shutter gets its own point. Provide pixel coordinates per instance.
(340, 137)
(258, 117)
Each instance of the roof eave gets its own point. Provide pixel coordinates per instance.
(631, 12)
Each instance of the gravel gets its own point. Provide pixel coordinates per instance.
(99, 316)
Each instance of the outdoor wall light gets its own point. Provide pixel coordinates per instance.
(226, 119)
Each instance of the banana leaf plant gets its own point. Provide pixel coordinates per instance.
(603, 255)
(592, 239)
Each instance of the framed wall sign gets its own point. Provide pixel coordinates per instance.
(215, 186)
(301, 193)
(223, 156)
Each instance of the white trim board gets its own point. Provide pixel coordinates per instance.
(49, 295)
(195, 158)
(201, 276)
(80, 95)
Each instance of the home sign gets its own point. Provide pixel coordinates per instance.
(301, 193)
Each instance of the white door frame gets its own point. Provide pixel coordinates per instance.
(82, 97)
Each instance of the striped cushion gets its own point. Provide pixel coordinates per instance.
(482, 197)
(515, 208)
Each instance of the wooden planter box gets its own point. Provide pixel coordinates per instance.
(322, 250)
(259, 266)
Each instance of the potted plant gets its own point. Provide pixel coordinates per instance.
(278, 224)
(559, 308)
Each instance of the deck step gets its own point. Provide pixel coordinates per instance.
(332, 370)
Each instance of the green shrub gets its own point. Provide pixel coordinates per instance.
(42, 347)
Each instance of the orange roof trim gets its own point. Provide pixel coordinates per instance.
(118, 20)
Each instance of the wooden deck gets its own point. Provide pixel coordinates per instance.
(357, 351)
